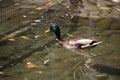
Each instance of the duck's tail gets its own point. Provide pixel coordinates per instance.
(94, 44)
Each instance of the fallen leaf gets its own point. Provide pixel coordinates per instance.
(31, 65)
(11, 39)
(46, 31)
(39, 8)
(16, 4)
(105, 8)
(101, 75)
(25, 37)
(49, 4)
(39, 72)
(37, 20)
(70, 35)
(33, 24)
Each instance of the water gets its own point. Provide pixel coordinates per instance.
(90, 28)
(63, 62)
(98, 63)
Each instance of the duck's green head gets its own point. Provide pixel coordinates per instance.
(55, 28)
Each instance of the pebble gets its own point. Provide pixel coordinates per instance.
(67, 14)
(24, 16)
(37, 36)
(46, 62)
(68, 7)
(42, 17)
(2, 73)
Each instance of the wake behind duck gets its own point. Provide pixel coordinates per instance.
(74, 43)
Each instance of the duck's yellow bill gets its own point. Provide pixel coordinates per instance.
(46, 31)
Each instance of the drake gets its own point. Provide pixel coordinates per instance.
(55, 28)
(70, 44)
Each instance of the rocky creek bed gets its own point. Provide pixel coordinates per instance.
(33, 45)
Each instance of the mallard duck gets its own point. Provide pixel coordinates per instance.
(78, 43)
(55, 28)
(74, 43)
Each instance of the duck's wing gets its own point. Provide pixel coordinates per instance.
(84, 41)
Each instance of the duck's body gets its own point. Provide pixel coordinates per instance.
(76, 43)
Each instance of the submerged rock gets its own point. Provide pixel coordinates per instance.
(115, 24)
(104, 24)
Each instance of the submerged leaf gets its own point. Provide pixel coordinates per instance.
(46, 31)
(39, 8)
(37, 36)
(25, 37)
(37, 20)
(31, 65)
(39, 72)
(101, 75)
(105, 8)
(70, 35)
(49, 4)
(11, 39)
